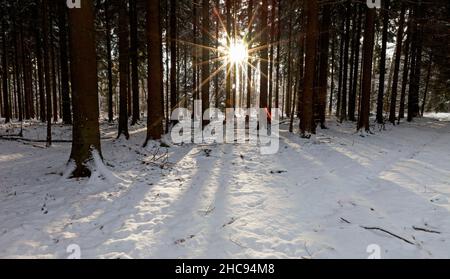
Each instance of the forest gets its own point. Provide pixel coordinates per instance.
(91, 91)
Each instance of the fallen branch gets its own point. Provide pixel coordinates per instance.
(388, 232)
(425, 230)
(8, 138)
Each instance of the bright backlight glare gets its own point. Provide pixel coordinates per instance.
(238, 52)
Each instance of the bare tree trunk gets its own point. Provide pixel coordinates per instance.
(86, 130)
(363, 122)
(155, 127)
(380, 101)
(134, 61)
(398, 56)
(312, 27)
(173, 55)
(124, 67)
(205, 57)
(264, 56)
(48, 88)
(6, 102)
(64, 63)
(323, 63)
(344, 93)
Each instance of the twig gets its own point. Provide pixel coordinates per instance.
(388, 232)
(425, 230)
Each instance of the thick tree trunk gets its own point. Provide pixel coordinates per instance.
(155, 127)
(363, 122)
(312, 27)
(86, 130)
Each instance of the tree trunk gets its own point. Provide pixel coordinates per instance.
(109, 62)
(264, 56)
(155, 127)
(344, 93)
(312, 27)
(355, 81)
(323, 63)
(363, 122)
(398, 56)
(205, 57)
(406, 63)
(173, 55)
(6, 102)
(427, 83)
(380, 101)
(47, 80)
(134, 61)
(86, 130)
(124, 67)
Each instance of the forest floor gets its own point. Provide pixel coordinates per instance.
(333, 196)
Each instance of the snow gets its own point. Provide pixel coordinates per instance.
(317, 198)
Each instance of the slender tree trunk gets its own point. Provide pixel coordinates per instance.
(355, 81)
(48, 88)
(312, 27)
(109, 62)
(54, 72)
(427, 83)
(155, 81)
(344, 93)
(341, 70)
(406, 63)
(416, 67)
(228, 101)
(86, 130)
(173, 55)
(363, 122)
(17, 68)
(124, 67)
(288, 99)
(380, 101)
(5, 80)
(264, 56)
(134, 61)
(278, 60)
(398, 56)
(205, 86)
(323, 64)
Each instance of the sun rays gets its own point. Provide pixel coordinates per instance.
(237, 51)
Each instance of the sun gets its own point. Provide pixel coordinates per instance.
(237, 52)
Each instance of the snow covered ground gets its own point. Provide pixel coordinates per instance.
(329, 197)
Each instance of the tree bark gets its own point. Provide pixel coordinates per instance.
(124, 67)
(398, 56)
(312, 27)
(380, 100)
(134, 61)
(86, 130)
(363, 122)
(155, 127)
